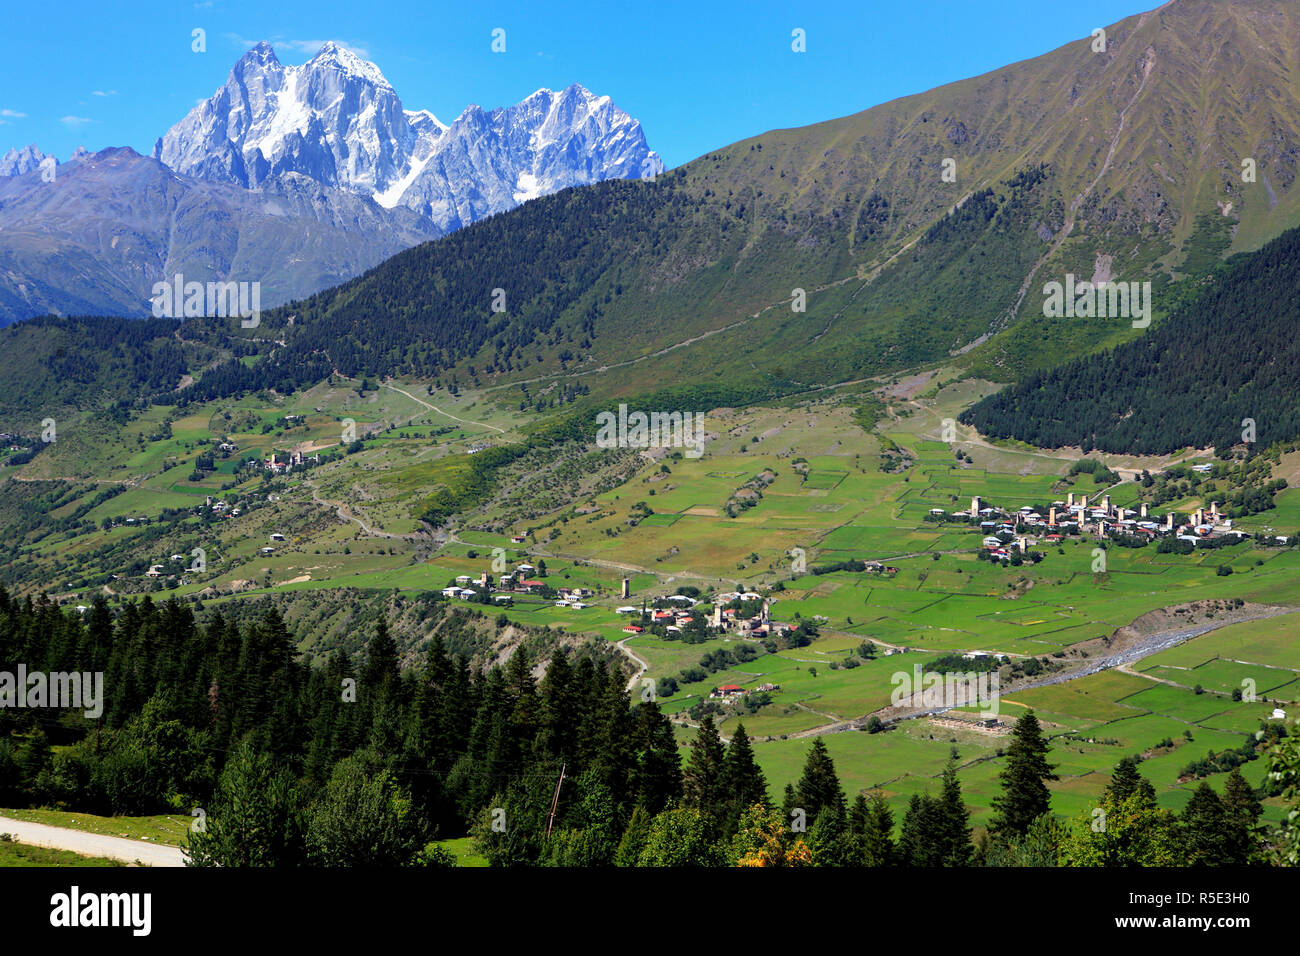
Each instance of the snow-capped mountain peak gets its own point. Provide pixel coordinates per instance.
(419, 118)
(336, 119)
(333, 56)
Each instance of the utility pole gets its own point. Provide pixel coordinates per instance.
(555, 801)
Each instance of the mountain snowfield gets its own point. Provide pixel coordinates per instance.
(337, 120)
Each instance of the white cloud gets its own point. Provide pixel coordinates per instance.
(75, 121)
(103, 93)
(12, 114)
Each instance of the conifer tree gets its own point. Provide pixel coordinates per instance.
(819, 786)
(789, 804)
(1040, 846)
(743, 780)
(921, 842)
(703, 781)
(657, 770)
(1203, 827)
(1242, 811)
(1025, 796)
(1124, 780)
(559, 711)
(955, 818)
(634, 838)
(831, 841)
(878, 834)
(858, 815)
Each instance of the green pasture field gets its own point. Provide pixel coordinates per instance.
(169, 829)
(1270, 642)
(1092, 722)
(20, 854)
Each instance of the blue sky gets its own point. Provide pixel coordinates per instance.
(697, 75)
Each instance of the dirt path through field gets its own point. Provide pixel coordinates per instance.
(435, 408)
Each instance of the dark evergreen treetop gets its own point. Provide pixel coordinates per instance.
(1024, 796)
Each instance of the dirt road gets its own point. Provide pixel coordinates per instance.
(92, 844)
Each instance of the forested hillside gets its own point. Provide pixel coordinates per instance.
(364, 765)
(1231, 354)
(52, 362)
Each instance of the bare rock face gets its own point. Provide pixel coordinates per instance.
(335, 119)
(19, 161)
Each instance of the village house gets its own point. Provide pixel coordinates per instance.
(1101, 518)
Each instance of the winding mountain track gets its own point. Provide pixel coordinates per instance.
(345, 515)
(435, 408)
(639, 662)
